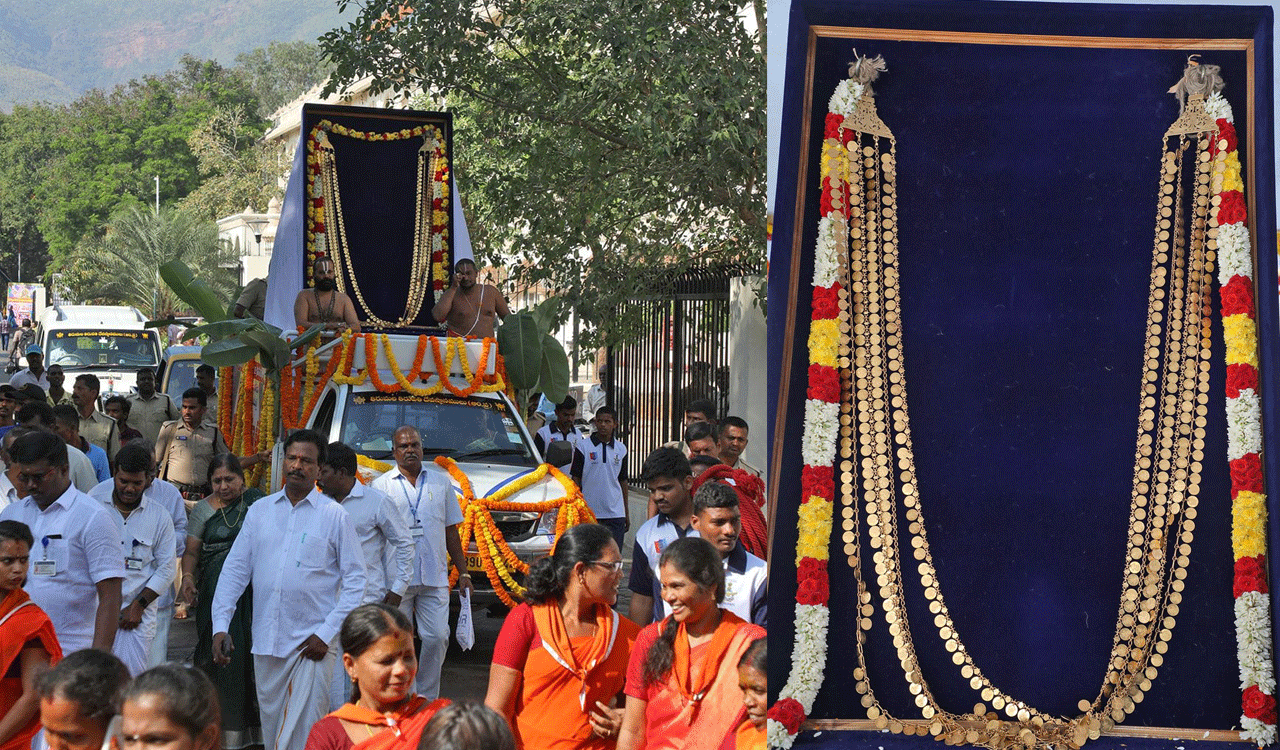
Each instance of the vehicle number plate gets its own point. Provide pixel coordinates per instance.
(474, 564)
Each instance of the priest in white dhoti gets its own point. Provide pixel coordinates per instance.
(147, 541)
(299, 550)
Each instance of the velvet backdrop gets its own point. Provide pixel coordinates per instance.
(377, 180)
(1026, 199)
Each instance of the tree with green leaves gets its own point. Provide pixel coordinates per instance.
(236, 168)
(120, 265)
(599, 146)
(281, 71)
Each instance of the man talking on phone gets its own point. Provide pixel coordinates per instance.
(300, 551)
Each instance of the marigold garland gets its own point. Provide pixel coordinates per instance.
(1249, 504)
(497, 557)
(443, 353)
(226, 417)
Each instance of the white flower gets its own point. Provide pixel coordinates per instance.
(1234, 258)
(809, 658)
(1218, 108)
(845, 99)
(1244, 425)
(1255, 730)
(777, 735)
(1253, 641)
(826, 262)
(821, 423)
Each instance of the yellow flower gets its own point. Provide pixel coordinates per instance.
(824, 341)
(1231, 175)
(1248, 525)
(815, 529)
(1242, 340)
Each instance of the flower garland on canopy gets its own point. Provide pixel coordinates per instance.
(1244, 435)
(295, 410)
(226, 416)
(317, 233)
(499, 561)
(453, 349)
(818, 449)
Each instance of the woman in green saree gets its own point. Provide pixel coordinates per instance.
(212, 527)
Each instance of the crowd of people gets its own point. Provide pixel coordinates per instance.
(307, 601)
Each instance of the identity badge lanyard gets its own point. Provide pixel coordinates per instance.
(133, 562)
(46, 567)
(413, 506)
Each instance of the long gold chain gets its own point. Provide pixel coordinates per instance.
(419, 264)
(1167, 465)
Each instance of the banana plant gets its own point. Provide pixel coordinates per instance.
(535, 360)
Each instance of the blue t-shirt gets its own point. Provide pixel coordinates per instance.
(98, 457)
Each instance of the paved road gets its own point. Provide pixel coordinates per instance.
(466, 673)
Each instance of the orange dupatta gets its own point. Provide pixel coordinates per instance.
(556, 641)
(406, 727)
(21, 621)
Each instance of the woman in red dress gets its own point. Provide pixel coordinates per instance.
(682, 683)
(28, 645)
(384, 714)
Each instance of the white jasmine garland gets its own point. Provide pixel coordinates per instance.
(1234, 258)
(845, 99)
(1253, 639)
(778, 736)
(1256, 731)
(1244, 425)
(821, 422)
(809, 659)
(826, 264)
(1218, 108)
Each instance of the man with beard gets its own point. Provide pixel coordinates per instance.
(299, 550)
(323, 304)
(468, 308)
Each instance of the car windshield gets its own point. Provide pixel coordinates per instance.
(465, 429)
(90, 349)
(179, 376)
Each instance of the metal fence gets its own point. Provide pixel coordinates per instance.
(682, 354)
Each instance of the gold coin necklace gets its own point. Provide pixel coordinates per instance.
(877, 460)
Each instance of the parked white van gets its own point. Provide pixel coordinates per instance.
(108, 341)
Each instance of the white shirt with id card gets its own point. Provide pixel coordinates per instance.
(76, 547)
(430, 504)
(146, 538)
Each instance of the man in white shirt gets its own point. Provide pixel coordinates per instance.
(426, 499)
(8, 493)
(167, 497)
(718, 519)
(39, 415)
(33, 372)
(147, 540)
(600, 469)
(300, 551)
(383, 532)
(76, 565)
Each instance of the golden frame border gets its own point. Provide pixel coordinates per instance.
(797, 233)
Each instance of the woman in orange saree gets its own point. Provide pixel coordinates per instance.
(753, 680)
(28, 644)
(682, 683)
(384, 714)
(560, 662)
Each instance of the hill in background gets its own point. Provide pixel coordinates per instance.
(55, 51)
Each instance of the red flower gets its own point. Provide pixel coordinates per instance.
(1246, 474)
(813, 591)
(1241, 377)
(809, 568)
(819, 481)
(824, 204)
(1231, 210)
(1251, 575)
(833, 125)
(826, 302)
(1237, 297)
(1227, 132)
(319, 227)
(824, 383)
(789, 713)
(1257, 705)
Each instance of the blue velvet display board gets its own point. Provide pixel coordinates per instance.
(1027, 177)
(378, 184)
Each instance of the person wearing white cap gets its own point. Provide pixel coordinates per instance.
(34, 372)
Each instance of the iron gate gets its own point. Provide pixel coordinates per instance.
(682, 354)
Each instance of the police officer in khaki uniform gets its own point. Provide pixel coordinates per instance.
(185, 447)
(149, 409)
(95, 426)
